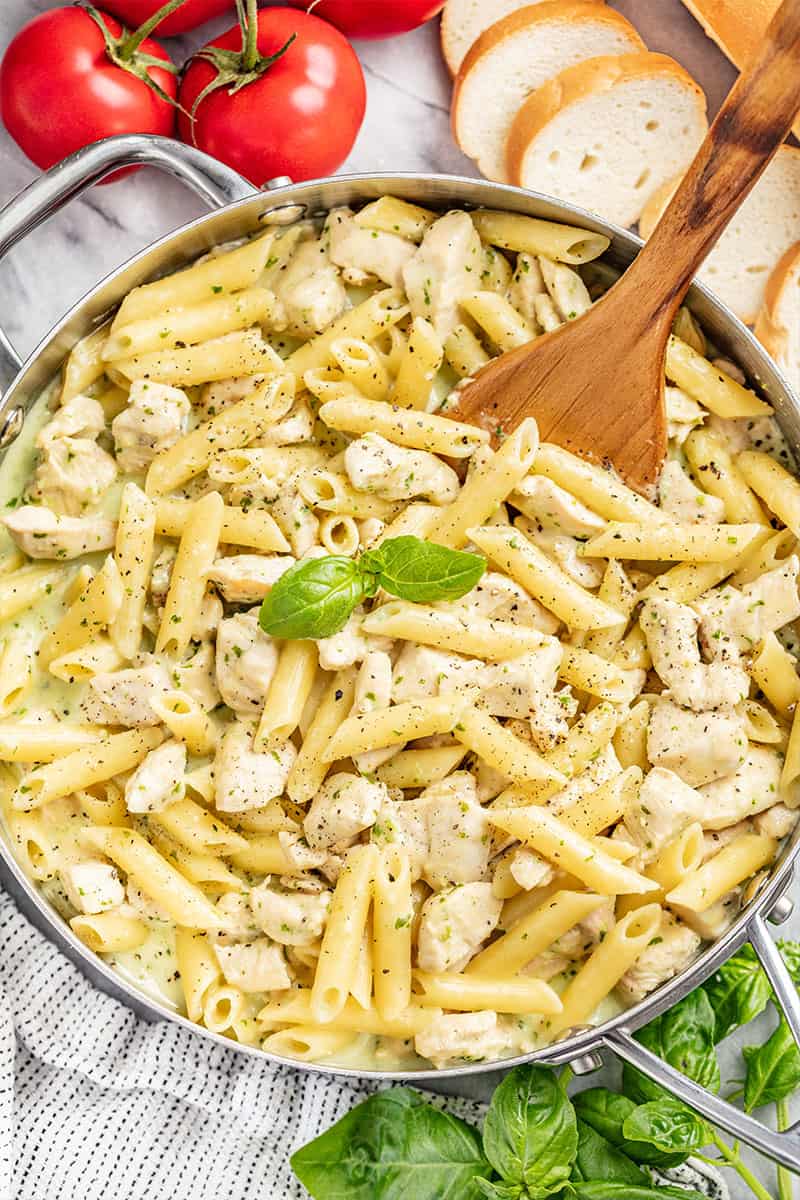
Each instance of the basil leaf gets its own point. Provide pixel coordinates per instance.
(423, 572)
(773, 1070)
(313, 599)
(600, 1159)
(791, 956)
(606, 1112)
(393, 1146)
(601, 1190)
(668, 1125)
(684, 1037)
(499, 1191)
(738, 992)
(530, 1135)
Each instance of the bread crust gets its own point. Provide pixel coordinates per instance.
(445, 33)
(770, 329)
(524, 18)
(594, 77)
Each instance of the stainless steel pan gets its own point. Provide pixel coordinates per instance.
(240, 210)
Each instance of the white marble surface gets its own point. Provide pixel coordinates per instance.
(406, 128)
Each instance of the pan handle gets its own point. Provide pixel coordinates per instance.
(214, 182)
(783, 1148)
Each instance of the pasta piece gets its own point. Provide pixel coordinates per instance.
(462, 993)
(308, 1043)
(196, 554)
(233, 427)
(347, 919)
(534, 933)
(23, 589)
(254, 528)
(718, 474)
(488, 486)
(134, 552)
(172, 328)
(94, 610)
(85, 364)
(774, 669)
(288, 693)
(600, 809)
(672, 543)
(395, 725)
(464, 353)
(418, 768)
(366, 321)
(498, 318)
(16, 672)
(361, 366)
(520, 558)
(109, 932)
(710, 386)
(419, 366)
(530, 235)
(310, 767)
(779, 490)
(225, 357)
(297, 1010)
(717, 877)
(501, 749)
(198, 967)
(678, 859)
(404, 427)
(186, 721)
(569, 850)
(590, 673)
(44, 741)
(392, 919)
(184, 902)
(600, 974)
(391, 215)
(80, 769)
(483, 637)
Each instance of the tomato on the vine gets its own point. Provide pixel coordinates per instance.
(191, 13)
(285, 95)
(74, 75)
(373, 18)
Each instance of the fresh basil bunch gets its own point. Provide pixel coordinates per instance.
(314, 599)
(539, 1143)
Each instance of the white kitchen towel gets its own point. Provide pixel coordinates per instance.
(96, 1104)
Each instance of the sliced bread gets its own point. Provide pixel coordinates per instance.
(463, 21)
(778, 323)
(517, 55)
(608, 132)
(765, 227)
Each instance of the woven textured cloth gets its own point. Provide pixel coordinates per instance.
(96, 1104)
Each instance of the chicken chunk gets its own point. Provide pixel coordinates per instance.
(714, 921)
(679, 497)
(156, 417)
(423, 671)
(683, 414)
(245, 779)
(197, 676)
(298, 852)
(125, 697)
(92, 887)
(247, 578)
(80, 417)
(588, 932)
(671, 632)
(257, 966)
(374, 464)
(664, 807)
(246, 662)
(459, 832)
(554, 508)
(311, 290)
(158, 781)
(674, 948)
(463, 1038)
(343, 807)
(750, 791)
(527, 283)
(529, 870)
(496, 596)
(350, 645)
(40, 533)
(404, 823)
(777, 822)
(454, 924)
(566, 551)
(700, 747)
(444, 269)
(733, 620)
(296, 427)
(72, 474)
(364, 254)
(603, 767)
(290, 918)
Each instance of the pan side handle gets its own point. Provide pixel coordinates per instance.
(214, 182)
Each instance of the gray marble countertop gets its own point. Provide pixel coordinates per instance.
(406, 128)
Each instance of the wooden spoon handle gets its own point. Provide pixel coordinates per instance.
(749, 128)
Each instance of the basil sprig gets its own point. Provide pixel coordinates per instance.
(314, 599)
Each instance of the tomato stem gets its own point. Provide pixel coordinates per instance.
(134, 40)
(250, 47)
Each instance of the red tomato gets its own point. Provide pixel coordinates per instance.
(298, 116)
(191, 13)
(60, 89)
(374, 18)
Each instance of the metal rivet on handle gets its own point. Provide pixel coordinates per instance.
(283, 214)
(278, 182)
(11, 427)
(781, 911)
(586, 1064)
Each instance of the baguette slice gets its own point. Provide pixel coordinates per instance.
(778, 323)
(738, 268)
(608, 132)
(517, 55)
(463, 21)
(737, 26)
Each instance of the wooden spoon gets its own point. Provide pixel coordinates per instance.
(596, 384)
